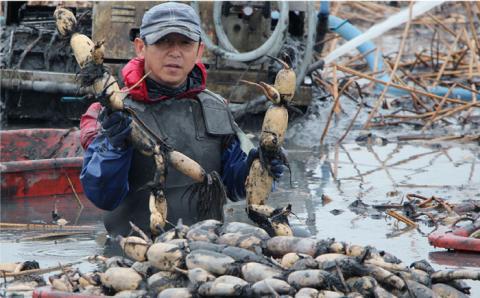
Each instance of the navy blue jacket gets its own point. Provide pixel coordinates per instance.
(105, 170)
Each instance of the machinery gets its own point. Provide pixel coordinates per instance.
(38, 69)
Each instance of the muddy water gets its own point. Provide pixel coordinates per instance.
(16, 245)
(379, 175)
(349, 173)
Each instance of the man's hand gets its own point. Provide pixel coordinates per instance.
(277, 166)
(116, 127)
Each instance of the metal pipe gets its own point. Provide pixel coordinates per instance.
(324, 8)
(309, 47)
(44, 86)
(348, 32)
(322, 25)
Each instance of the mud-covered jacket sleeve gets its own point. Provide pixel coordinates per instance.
(234, 170)
(104, 173)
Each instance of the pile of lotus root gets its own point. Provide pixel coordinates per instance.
(211, 259)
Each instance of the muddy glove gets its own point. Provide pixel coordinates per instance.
(116, 127)
(251, 157)
(277, 166)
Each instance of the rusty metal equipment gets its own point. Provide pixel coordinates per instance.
(33, 59)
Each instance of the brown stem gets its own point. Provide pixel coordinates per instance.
(409, 89)
(438, 109)
(39, 227)
(397, 61)
(327, 125)
(38, 271)
(447, 59)
(401, 218)
(473, 31)
(141, 233)
(360, 106)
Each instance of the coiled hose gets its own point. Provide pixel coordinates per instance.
(264, 49)
(271, 46)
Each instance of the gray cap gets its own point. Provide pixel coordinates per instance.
(170, 17)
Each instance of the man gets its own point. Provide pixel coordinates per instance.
(173, 102)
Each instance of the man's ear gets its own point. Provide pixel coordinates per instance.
(201, 47)
(139, 47)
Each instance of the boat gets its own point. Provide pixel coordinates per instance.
(49, 292)
(40, 162)
(458, 259)
(465, 238)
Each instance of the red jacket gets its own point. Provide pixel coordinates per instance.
(131, 73)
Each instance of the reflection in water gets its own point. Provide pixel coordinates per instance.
(380, 175)
(372, 176)
(50, 252)
(455, 259)
(39, 209)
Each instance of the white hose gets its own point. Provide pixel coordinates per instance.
(223, 40)
(231, 53)
(272, 42)
(393, 21)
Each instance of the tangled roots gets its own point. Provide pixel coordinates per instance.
(211, 196)
(90, 73)
(273, 223)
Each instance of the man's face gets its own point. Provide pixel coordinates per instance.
(170, 59)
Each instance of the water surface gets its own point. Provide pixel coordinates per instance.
(348, 173)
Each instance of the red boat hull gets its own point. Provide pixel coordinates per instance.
(457, 238)
(40, 162)
(48, 292)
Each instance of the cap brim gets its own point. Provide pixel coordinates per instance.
(153, 37)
